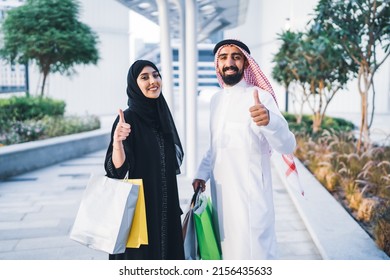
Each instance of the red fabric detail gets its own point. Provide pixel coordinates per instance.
(289, 160)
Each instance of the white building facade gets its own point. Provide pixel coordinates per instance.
(101, 89)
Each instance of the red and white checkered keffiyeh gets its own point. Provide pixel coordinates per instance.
(254, 76)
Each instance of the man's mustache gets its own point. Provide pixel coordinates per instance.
(224, 69)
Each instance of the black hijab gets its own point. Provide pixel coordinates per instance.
(154, 111)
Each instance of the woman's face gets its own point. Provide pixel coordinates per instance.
(149, 81)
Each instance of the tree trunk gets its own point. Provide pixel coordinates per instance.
(317, 117)
(364, 86)
(43, 84)
(365, 131)
(317, 120)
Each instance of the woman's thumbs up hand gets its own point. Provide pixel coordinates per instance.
(259, 112)
(122, 130)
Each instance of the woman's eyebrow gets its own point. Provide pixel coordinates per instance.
(147, 73)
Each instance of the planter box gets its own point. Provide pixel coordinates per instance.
(20, 158)
(337, 235)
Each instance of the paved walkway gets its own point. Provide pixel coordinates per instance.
(37, 211)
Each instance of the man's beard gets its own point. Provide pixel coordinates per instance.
(231, 80)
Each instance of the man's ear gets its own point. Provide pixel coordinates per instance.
(246, 63)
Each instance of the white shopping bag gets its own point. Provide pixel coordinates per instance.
(105, 215)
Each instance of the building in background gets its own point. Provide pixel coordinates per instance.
(207, 77)
(101, 89)
(13, 78)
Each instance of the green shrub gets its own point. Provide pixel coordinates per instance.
(328, 123)
(29, 108)
(29, 130)
(69, 125)
(47, 127)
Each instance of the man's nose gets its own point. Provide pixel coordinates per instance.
(230, 61)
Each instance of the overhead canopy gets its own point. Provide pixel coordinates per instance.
(213, 15)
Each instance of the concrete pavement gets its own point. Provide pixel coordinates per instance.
(37, 211)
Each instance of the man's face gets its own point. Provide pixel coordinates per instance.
(231, 64)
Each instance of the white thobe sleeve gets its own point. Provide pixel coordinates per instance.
(277, 132)
(204, 169)
(205, 166)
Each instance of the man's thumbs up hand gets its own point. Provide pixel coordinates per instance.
(256, 97)
(122, 130)
(259, 112)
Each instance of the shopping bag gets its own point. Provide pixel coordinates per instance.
(209, 247)
(191, 251)
(105, 214)
(139, 231)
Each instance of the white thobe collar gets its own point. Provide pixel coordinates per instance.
(237, 87)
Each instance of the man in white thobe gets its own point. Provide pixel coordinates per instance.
(245, 125)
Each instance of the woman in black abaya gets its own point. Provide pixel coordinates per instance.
(145, 143)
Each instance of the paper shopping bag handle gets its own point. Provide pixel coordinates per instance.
(195, 195)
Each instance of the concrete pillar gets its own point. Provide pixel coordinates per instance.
(191, 87)
(182, 73)
(166, 53)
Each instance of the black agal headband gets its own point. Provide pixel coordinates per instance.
(231, 42)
